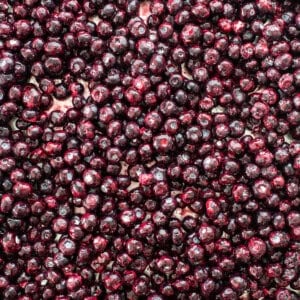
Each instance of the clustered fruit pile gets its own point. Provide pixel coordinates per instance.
(174, 171)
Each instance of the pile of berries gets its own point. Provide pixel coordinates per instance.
(149, 149)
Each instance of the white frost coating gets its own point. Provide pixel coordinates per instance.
(12, 124)
(44, 282)
(185, 73)
(144, 10)
(57, 237)
(182, 213)
(95, 19)
(295, 291)
(133, 185)
(79, 210)
(126, 218)
(88, 179)
(62, 105)
(248, 132)
(218, 109)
